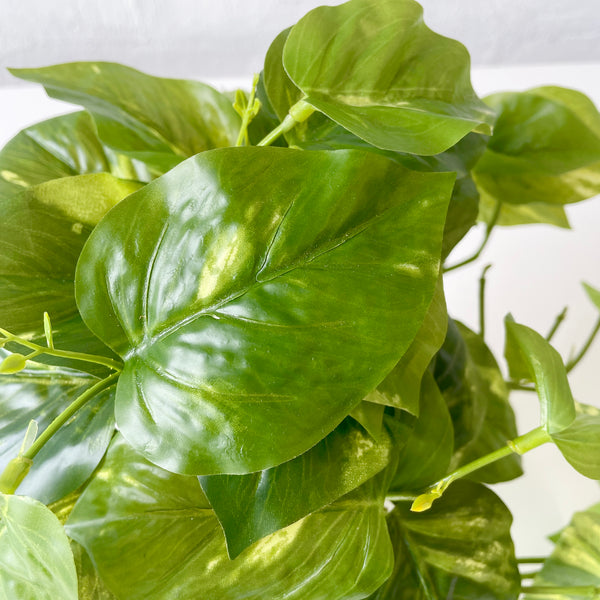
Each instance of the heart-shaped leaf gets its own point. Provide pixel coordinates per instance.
(41, 393)
(36, 562)
(153, 536)
(545, 152)
(376, 69)
(189, 118)
(250, 507)
(254, 307)
(460, 548)
(528, 352)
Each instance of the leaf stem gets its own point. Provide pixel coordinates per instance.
(531, 560)
(574, 362)
(64, 416)
(584, 591)
(520, 445)
(488, 231)
(515, 385)
(482, 301)
(559, 319)
(297, 114)
(247, 112)
(93, 358)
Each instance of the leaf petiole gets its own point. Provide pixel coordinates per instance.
(297, 114)
(520, 445)
(247, 109)
(581, 591)
(575, 361)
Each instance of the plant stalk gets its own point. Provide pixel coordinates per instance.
(297, 114)
(585, 591)
(482, 283)
(574, 362)
(559, 319)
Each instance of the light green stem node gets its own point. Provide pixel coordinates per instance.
(520, 445)
(297, 114)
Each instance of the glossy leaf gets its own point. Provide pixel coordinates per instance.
(239, 308)
(473, 387)
(189, 118)
(90, 586)
(579, 443)
(527, 349)
(522, 214)
(152, 536)
(426, 456)
(36, 562)
(575, 561)
(59, 147)
(370, 416)
(43, 232)
(250, 507)
(545, 151)
(375, 68)
(69, 458)
(402, 387)
(460, 548)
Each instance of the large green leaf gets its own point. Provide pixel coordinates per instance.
(474, 389)
(575, 561)
(36, 562)
(59, 147)
(250, 507)
(375, 68)
(402, 386)
(255, 307)
(529, 354)
(425, 457)
(158, 121)
(69, 458)
(460, 549)
(545, 152)
(152, 536)
(43, 232)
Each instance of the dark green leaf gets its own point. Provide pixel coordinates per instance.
(526, 349)
(575, 560)
(250, 507)
(545, 152)
(460, 549)
(235, 289)
(43, 232)
(36, 562)
(90, 586)
(69, 458)
(402, 387)
(426, 456)
(375, 68)
(158, 121)
(152, 536)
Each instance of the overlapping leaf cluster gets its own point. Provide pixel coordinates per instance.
(265, 278)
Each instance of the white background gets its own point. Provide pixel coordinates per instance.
(537, 269)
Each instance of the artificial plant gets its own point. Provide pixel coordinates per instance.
(227, 366)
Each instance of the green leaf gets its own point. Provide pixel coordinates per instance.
(425, 457)
(43, 232)
(90, 586)
(579, 443)
(69, 458)
(526, 349)
(250, 507)
(545, 152)
(266, 120)
(575, 561)
(239, 307)
(370, 416)
(460, 548)
(376, 69)
(59, 147)
(158, 121)
(36, 562)
(473, 387)
(593, 294)
(152, 536)
(402, 387)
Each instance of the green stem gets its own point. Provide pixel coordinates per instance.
(482, 301)
(93, 358)
(514, 385)
(559, 319)
(585, 591)
(401, 497)
(488, 233)
(249, 113)
(64, 416)
(531, 560)
(519, 445)
(573, 363)
(297, 114)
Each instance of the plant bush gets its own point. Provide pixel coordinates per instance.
(224, 314)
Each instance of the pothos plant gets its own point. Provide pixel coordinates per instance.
(224, 314)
